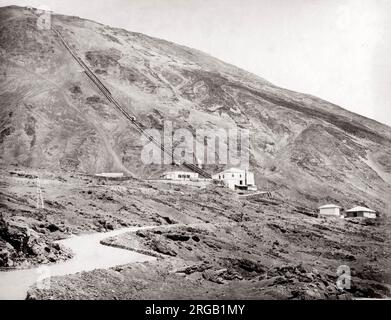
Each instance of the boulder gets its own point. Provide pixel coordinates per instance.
(178, 237)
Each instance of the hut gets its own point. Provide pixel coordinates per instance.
(235, 178)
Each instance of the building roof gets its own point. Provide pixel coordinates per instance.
(179, 172)
(329, 206)
(110, 174)
(360, 209)
(232, 170)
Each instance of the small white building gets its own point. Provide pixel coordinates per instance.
(235, 178)
(330, 210)
(110, 174)
(360, 212)
(180, 175)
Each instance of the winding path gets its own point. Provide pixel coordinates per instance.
(89, 254)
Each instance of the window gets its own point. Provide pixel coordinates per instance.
(233, 176)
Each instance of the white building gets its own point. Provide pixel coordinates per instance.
(180, 175)
(360, 212)
(330, 210)
(235, 178)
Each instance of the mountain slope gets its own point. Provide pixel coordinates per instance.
(52, 115)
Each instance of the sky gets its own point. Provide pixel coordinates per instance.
(338, 50)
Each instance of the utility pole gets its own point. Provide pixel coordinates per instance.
(39, 195)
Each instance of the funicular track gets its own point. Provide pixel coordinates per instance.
(130, 116)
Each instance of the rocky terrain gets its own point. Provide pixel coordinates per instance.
(22, 247)
(209, 242)
(56, 126)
